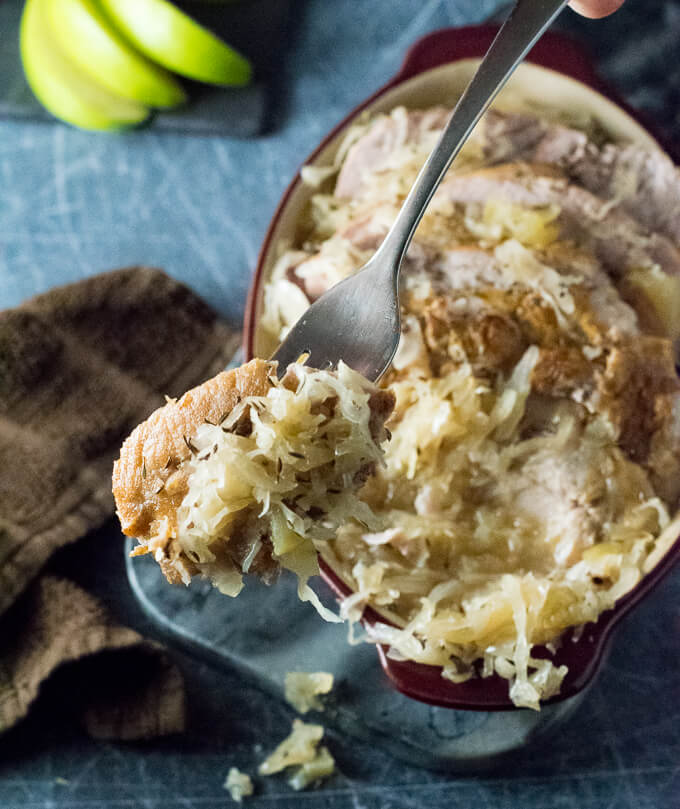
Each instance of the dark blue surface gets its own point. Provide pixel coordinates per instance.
(73, 203)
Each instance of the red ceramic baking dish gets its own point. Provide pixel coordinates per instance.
(435, 71)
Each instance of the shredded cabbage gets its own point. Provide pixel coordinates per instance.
(523, 267)
(238, 784)
(283, 468)
(463, 566)
(300, 751)
(302, 689)
(500, 220)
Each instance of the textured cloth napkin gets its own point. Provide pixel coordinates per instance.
(80, 366)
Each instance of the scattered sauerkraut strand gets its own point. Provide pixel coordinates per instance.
(303, 689)
(238, 784)
(300, 751)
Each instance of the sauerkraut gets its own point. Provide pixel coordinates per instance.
(300, 753)
(537, 418)
(282, 468)
(238, 784)
(303, 689)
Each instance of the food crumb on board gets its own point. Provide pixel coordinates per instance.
(299, 753)
(238, 784)
(300, 750)
(302, 689)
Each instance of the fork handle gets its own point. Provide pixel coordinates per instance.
(527, 21)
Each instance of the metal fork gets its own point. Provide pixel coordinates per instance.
(358, 320)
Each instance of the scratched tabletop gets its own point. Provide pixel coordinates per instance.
(73, 203)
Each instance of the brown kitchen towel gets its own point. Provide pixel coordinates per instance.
(56, 624)
(80, 366)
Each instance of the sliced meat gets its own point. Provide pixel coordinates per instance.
(467, 268)
(644, 183)
(450, 264)
(317, 275)
(598, 305)
(663, 460)
(367, 230)
(349, 249)
(599, 308)
(502, 137)
(639, 390)
(491, 329)
(440, 227)
(427, 272)
(470, 330)
(337, 259)
(566, 494)
(374, 150)
(510, 136)
(616, 238)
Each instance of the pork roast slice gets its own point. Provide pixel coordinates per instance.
(372, 152)
(645, 183)
(618, 240)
